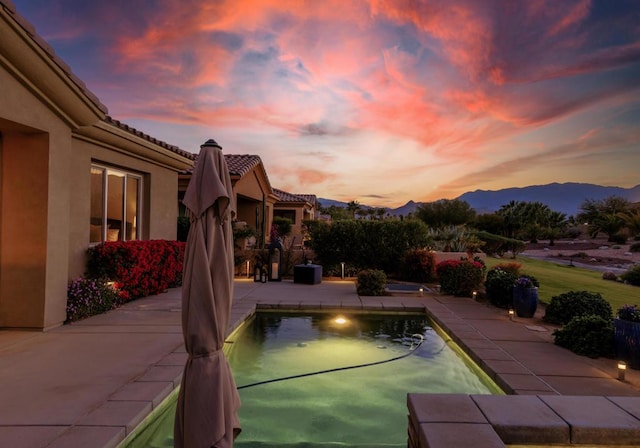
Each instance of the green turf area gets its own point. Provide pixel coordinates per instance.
(556, 279)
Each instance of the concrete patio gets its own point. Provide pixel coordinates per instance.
(91, 383)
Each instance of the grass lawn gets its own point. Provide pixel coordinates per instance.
(556, 279)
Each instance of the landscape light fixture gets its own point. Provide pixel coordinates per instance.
(421, 290)
(511, 313)
(340, 320)
(622, 368)
(248, 269)
(342, 275)
(474, 295)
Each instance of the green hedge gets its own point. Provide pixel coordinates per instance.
(363, 244)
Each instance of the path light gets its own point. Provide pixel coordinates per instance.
(342, 275)
(511, 313)
(248, 269)
(474, 295)
(421, 290)
(622, 368)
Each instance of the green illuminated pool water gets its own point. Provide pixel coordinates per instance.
(358, 407)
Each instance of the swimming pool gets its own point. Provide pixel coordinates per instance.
(353, 407)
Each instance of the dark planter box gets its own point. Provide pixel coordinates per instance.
(310, 274)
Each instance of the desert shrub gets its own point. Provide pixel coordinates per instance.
(618, 238)
(371, 282)
(499, 286)
(635, 247)
(564, 307)
(573, 232)
(514, 268)
(498, 245)
(608, 275)
(419, 266)
(579, 255)
(89, 296)
(460, 277)
(632, 275)
(587, 335)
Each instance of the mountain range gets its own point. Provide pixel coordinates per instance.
(562, 197)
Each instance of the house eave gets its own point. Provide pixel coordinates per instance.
(34, 63)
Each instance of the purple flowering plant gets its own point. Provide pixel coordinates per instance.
(629, 312)
(526, 281)
(88, 296)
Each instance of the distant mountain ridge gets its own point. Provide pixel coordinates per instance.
(562, 197)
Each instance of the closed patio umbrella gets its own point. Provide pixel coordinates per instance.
(208, 402)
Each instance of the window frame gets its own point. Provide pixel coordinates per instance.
(126, 174)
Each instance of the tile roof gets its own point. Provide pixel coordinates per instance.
(165, 145)
(239, 164)
(290, 197)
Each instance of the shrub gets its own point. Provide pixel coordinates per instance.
(635, 247)
(608, 275)
(514, 268)
(564, 307)
(460, 277)
(587, 335)
(632, 275)
(139, 268)
(419, 266)
(629, 312)
(366, 244)
(371, 282)
(499, 286)
(573, 232)
(618, 238)
(88, 297)
(498, 245)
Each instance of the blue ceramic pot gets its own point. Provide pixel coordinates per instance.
(525, 301)
(626, 335)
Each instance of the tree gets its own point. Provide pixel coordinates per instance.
(631, 221)
(605, 215)
(490, 222)
(353, 207)
(446, 212)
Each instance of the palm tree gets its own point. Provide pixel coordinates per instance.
(353, 207)
(631, 221)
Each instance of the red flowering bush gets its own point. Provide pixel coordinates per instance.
(419, 266)
(460, 277)
(139, 268)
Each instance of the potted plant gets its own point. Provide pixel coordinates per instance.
(525, 295)
(626, 328)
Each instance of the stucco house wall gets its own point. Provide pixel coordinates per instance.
(51, 130)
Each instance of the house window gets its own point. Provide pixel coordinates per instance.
(288, 214)
(115, 205)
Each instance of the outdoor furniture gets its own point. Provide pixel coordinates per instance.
(310, 274)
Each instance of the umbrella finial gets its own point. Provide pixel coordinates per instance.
(211, 142)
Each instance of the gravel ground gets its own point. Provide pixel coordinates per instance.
(592, 254)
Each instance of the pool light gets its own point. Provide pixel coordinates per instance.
(622, 368)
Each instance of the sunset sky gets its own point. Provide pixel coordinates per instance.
(371, 100)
